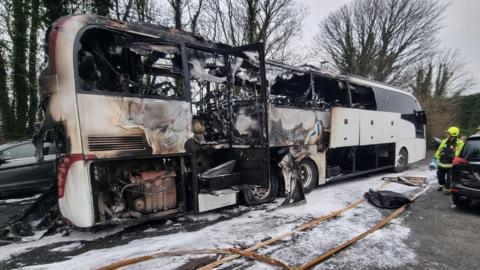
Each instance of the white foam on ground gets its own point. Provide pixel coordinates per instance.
(384, 248)
(21, 199)
(7, 251)
(67, 248)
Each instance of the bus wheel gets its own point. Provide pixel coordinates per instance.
(402, 161)
(258, 195)
(308, 174)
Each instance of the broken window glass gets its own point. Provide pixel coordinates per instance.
(304, 89)
(119, 63)
(333, 91)
(289, 88)
(362, 97)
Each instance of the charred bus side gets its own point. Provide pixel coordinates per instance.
(362, 125)
(131, 110)
(149, 122)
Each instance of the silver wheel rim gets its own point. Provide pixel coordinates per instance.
(401, 160)
(306, 175)
(261, 193)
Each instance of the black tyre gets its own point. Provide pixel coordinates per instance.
(308, 174)
(461, 203)
(401, 161)
(259, 195)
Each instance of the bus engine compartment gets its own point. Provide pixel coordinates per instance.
(133, 189)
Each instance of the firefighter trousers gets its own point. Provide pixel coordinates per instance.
(444, 176)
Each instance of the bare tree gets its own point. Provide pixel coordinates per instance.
(101, 7)
(32, 63)
(275, 22)
(443, 75)
(194, 13)
(177, 8)
(6, 107)
(380, 39)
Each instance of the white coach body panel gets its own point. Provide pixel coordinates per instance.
(372, 129)
(345, 127)
(379, 127)
(77, 202)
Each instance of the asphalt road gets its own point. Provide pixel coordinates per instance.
(443, 236)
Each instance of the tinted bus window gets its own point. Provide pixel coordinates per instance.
(391, 101)
(112, 62)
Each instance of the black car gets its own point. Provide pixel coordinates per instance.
(466, 173)
(20, 173)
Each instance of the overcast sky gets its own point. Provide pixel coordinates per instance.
(461, 31)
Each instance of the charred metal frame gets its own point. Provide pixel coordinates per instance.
(184, 43)
(262, 151)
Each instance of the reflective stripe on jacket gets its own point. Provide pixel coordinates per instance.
(457, 149)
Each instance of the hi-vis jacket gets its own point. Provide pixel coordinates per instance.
(447, 151)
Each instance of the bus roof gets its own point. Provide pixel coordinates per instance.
(368, 82)
(348, 77)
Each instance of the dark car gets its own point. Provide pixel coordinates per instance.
(466, 173)
(20, 173)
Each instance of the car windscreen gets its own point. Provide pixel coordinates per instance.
(471, 150)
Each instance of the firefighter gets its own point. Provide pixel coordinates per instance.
(449, 149)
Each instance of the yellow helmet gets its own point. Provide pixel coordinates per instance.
(453, 131)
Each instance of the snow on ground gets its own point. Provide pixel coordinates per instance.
(69, 247)
(18, 248)
(384, 248)
(18, 200)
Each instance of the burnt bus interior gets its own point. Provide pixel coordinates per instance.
(229, 116)
(292, 87)
(226, 91)
(113, 62)
(229, 89)
(227, 100)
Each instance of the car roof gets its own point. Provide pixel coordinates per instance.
(474, 137)
(13, 143)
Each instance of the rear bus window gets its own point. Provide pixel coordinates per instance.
(116, 63)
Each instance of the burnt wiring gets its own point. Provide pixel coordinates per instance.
(119, 66)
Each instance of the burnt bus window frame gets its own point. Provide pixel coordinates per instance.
(343, 95)
(353, 88)
(296, 77)
(326, 98)
(189, 49)
(181, 47)
(239, 51)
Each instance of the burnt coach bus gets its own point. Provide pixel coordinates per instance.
(150, 122)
